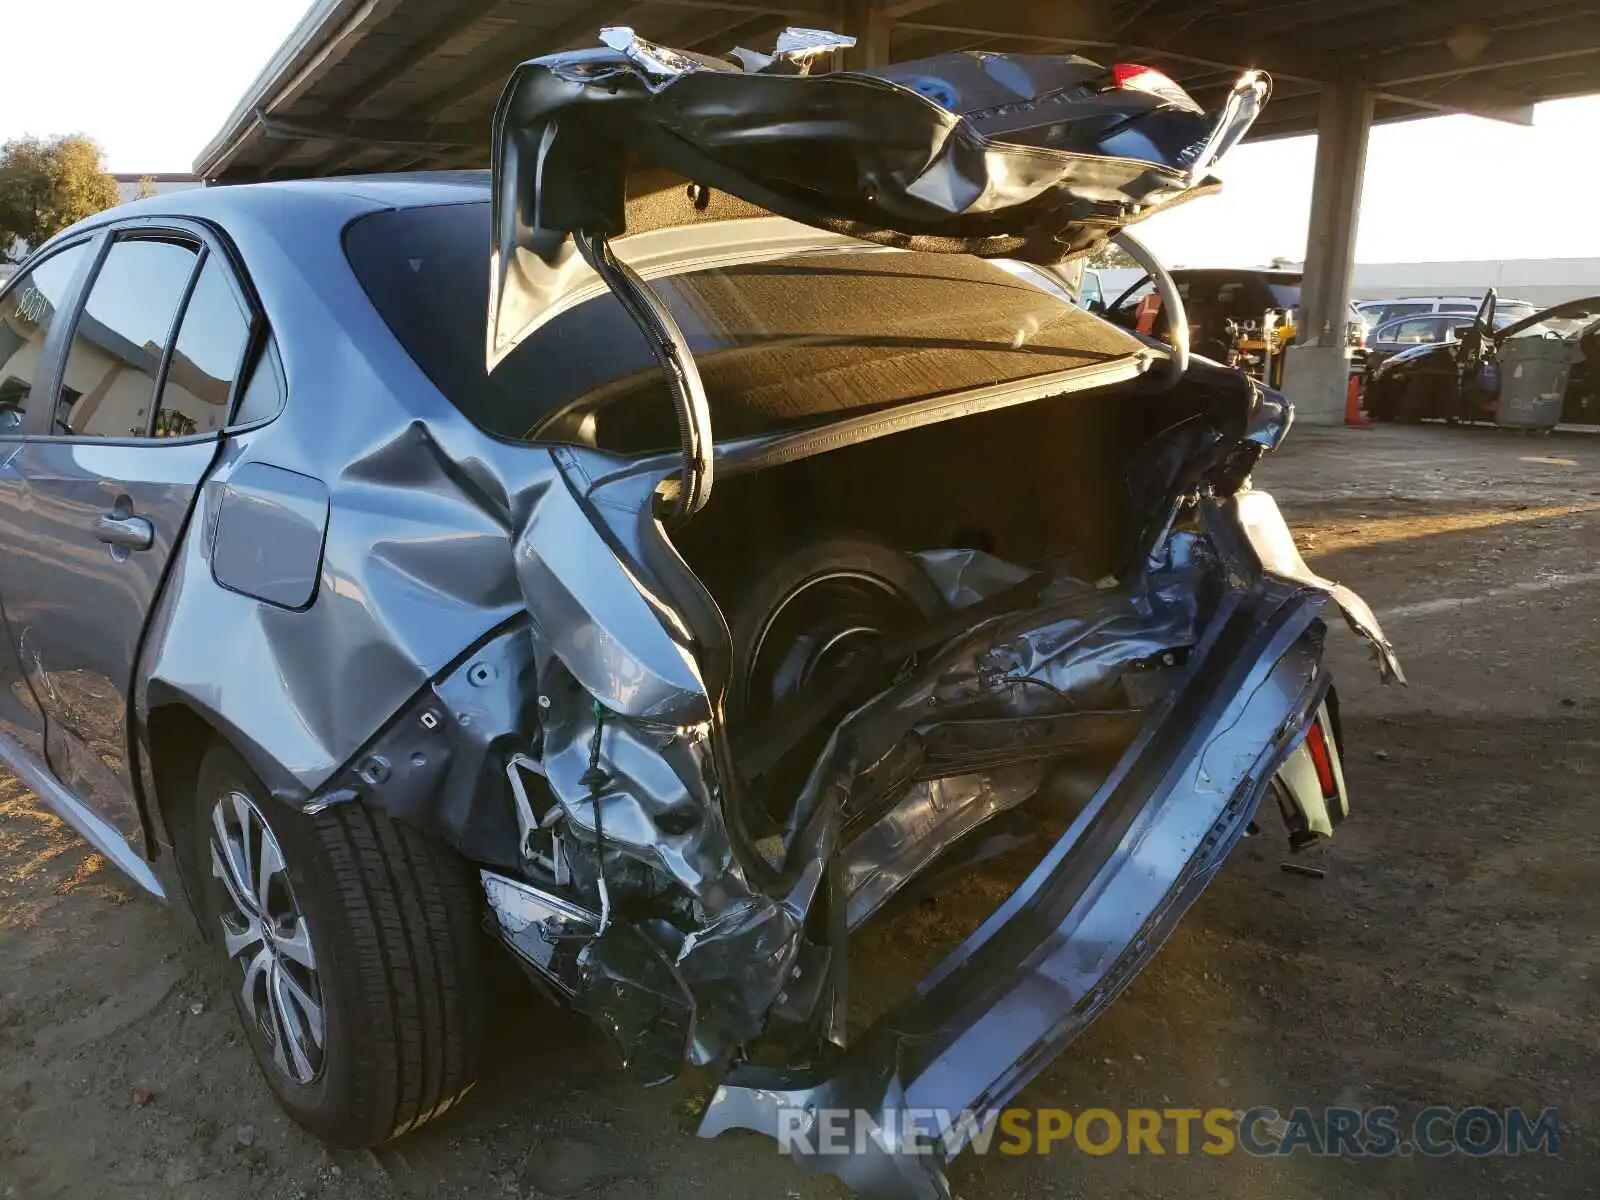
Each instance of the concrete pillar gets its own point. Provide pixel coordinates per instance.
(1316, 370)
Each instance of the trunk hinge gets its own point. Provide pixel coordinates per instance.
(677, 364)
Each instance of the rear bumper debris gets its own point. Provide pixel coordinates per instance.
(934, 1071)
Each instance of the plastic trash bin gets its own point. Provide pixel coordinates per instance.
(1533, 381)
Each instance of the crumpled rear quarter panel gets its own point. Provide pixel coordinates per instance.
(417, 564)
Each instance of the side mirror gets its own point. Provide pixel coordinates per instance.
(1097, 307)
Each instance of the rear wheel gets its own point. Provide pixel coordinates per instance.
(350, 944)
(815, 611)
(801, 623)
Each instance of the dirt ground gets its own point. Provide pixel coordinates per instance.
(1449, 956)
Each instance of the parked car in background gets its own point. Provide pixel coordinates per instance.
(1406, 333)
(1461, 378)
(1378, 313)
(1403, 333)
(1227, 309)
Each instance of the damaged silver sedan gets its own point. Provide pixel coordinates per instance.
(787, 535)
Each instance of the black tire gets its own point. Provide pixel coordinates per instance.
(392, 921)
(908, 597)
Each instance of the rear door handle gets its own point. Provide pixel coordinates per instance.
(131, 533)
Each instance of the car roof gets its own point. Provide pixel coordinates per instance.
(1424, 316)
(1270, 274)
(303, 197)
(1463, 298)
(1421, 300)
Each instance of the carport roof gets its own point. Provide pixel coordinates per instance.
(364, 85)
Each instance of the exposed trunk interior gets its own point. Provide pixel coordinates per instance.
(1040, 485)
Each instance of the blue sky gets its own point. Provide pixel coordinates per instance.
(153, 81)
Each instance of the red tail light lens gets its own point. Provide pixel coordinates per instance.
(1131, 77)
(1321, 758)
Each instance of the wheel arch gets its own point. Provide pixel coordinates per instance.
(175, 737)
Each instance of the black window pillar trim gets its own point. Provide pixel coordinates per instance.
(173, 331)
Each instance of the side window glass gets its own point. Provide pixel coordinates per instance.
(1417, 331)
(1395, 311)
(1199, 293)
(1130, 303)
(120, 339)
(1233, 303)
(26, 314)
(263, 395)
(207, 357)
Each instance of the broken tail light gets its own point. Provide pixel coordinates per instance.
(1322, 759)
(1132, 77)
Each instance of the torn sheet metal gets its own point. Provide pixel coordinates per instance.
(932, 816)
(1250, 526)
(990, 1017)
(1037, 157)
(735, 947)
(547, 931)
(658, 63)
(757, 946)
(799, 49)
(799, 44)
(965, 577)
(622, 643)
(1085, 651)
(639, 820)
(642, 812)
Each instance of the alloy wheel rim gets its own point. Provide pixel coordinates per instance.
(267, 938)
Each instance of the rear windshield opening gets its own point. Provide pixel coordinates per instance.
(780, 344)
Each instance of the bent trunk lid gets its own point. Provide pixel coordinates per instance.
(1037, 157)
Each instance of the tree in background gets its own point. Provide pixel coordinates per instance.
(46, 184)
(1111, 256)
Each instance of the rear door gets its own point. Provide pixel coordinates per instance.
(35, 317)
(1393, 312)
(102, 487)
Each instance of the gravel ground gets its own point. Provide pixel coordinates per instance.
(1449, 956)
